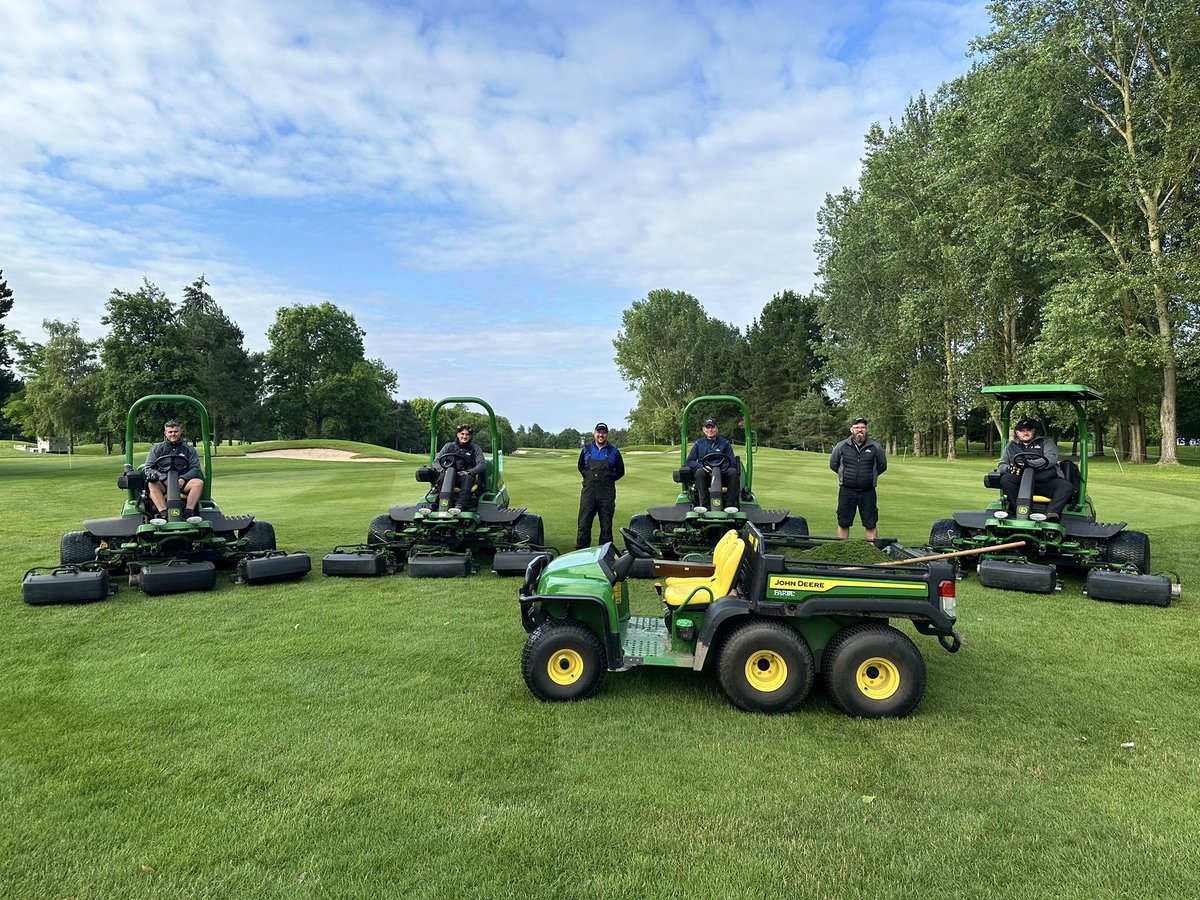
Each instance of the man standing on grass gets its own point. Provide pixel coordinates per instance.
(858, 461)
(601, 466)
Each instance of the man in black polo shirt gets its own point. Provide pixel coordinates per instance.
(858, 461)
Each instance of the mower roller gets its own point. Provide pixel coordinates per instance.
(440, 535)
(1117, 561)
(685, 527)
(164, 555)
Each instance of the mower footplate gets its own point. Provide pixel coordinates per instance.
(65, 585)
(222, 522)
(273, 568)
(765, 516)
(489, 515)
(176, 577)
(443, 566)
(117, 527)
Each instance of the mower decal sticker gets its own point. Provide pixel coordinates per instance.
(822, 585)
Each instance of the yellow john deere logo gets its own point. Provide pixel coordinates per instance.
(1022, 510)
(175, 513)
(820, 585)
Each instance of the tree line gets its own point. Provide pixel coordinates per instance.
(1034, 221)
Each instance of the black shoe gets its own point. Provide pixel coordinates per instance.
(188, 513)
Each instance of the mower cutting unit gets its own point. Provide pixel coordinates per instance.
(437, 536)
(768, 626)
(1117, 561)
(163, 555)
(685, 527)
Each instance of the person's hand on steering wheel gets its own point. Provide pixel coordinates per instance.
(716, 459)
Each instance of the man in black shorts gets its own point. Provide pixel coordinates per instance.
(858, 461)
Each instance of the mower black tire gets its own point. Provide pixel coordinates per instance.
(766, 667)
(78, 547)
(873, 671)
(259, 536)
(792, 526)
(378, 529)
(643, 527)
(563, 661)
(530, 529)
(944, 533)
(1130, 548)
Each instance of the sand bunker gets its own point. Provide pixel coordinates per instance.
(320, 453)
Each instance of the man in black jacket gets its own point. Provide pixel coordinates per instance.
(858, 461)
(1040, 455)
(191, 485)
(707, 445)
(470, 464)
(601, 466)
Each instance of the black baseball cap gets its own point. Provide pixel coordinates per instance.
(708, 422)
(600, 426)
(859, 421)
(465, 427)
(1026, 423)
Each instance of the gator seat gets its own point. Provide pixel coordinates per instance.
(727, 556)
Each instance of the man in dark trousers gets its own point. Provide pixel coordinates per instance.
(191, 485)
(712, 442)
(601, 466)
(858, 461)
(1040, 455)
(471, 464)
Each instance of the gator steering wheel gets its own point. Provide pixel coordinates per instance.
(638, 546)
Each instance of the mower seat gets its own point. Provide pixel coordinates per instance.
(704, 591)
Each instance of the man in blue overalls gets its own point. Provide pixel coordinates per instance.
(601, 466)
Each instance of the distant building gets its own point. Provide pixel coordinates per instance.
(53, 445)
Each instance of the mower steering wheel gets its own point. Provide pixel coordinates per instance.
(638, 546)
(451, 460)
(173, 462)
(716, 460)
(1022, 459)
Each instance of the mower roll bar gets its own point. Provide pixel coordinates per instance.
(171, 398)
(751, 437)
(496, 466)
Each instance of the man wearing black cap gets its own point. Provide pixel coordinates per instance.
(858, 461)
(710, 442)
(471, 464)
(1041, 456)
(601, 466)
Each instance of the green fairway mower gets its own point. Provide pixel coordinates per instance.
(767, 626)
(439, 536)
(686, 527)
(1117, 560)
(165, 555)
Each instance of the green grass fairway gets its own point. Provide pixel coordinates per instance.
(373, 738)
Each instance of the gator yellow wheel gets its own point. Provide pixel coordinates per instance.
(563, 660)
(565, 666)
(766, 671)
(873, 671)
(878, 678)
(766, 666)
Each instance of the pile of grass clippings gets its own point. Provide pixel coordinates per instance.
(850, 553)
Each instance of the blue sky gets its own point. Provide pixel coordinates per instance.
(484, 186)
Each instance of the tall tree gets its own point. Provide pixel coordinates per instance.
(7, 379)
(785, 362)
(670, 350)
(61, 396)
(309, 344)
(224, 372)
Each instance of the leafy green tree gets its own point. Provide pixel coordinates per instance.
(61, 396)
(670, 351)
(785, 362)
(225, 373)
(7, 379)
(354, 405)
(309, 344)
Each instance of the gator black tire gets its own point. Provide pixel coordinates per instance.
(563, 661)
(793, 526)
(78, 547)
(1128, 548)
(766, 667)
(943, 534)
(378, 529)
(873, 671)
(259, 536)
(530, 529)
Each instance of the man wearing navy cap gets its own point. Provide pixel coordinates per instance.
(601, 466)
(858, 461)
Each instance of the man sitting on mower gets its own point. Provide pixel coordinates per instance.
(465, 460)
(713, 452)
(191, 485)
(1040, 455)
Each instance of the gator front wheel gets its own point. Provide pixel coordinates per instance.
(766, 667)
(563, 661)
(873, 671)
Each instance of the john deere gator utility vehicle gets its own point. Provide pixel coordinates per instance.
(440, 534)
(685, 527)
(768, 626)
(170, 554)
(1117, 560)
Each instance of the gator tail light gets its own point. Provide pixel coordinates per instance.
(948, 598)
